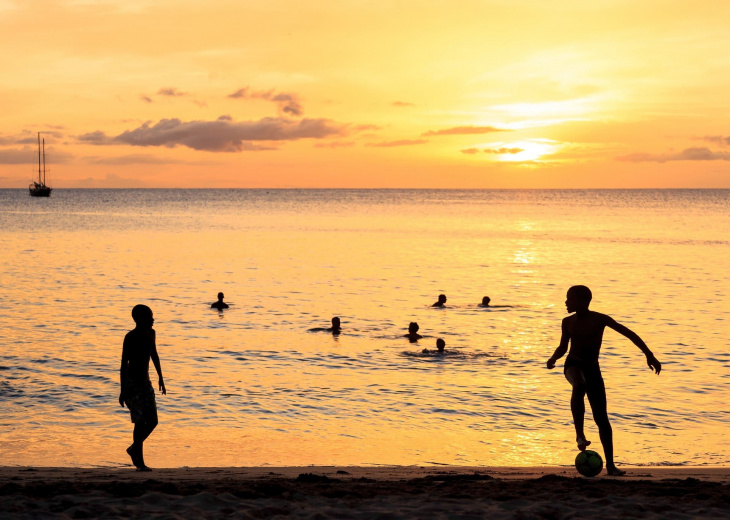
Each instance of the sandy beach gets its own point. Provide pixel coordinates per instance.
(363, 492)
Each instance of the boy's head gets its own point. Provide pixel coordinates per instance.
(336, 322)
(442, 298)
(142, 316)
(578, 298)
(440, 345)
(413, 327)
(220, 296)
(486, 300)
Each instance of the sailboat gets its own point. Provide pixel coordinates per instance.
(39, 188)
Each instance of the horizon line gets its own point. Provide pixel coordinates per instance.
(385, 189)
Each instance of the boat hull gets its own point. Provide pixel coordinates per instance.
(39, 190)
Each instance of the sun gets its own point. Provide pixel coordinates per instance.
(523, 151)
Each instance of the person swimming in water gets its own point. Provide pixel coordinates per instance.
(441, 301)
(485, 304)
(335, 328)
(583, 330)
(220, 304)
(413, 334)
(440, 348)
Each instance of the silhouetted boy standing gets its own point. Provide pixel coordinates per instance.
(137, 392)
(584, 331)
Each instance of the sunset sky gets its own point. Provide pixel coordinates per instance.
(366, 94)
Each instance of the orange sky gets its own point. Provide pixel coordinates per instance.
(355, 93)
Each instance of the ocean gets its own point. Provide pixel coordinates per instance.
(254, 386)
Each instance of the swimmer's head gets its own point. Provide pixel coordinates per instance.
(486, 300)
(220, 296)
(142, 316)
(442, 298)
(413, 327)
(335, 322)
(578, 298)
(440, 345)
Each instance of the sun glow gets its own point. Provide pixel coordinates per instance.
(551, 109)
(358, 95)
(523, 151)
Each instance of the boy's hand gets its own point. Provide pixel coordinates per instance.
(121, 400)
(653, 363)
(162, 387)
(551, 363)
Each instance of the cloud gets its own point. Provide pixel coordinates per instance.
(223, 135)
(171, 92)
(465, 130)
(498, 151)
(335, 144)
(688, 154)
(16, 156)
(502, 151)
(717, 139)
(97, 137)
(122, 160)
(364, 128)
(402, 104)
(286, 102)
(241, 93)
(30, 156)
(402, 142)
(28, 137)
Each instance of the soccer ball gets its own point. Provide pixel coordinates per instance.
(588, 463)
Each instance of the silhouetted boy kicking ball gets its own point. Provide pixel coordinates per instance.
(137, 392)
(584, 331)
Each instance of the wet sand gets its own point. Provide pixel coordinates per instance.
(363, 492)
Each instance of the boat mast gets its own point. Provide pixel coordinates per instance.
(44, 162)
(39, 157)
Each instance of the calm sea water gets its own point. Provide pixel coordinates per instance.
(252, 386)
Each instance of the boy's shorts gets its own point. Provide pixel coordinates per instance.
(140, 399)
(595, 387)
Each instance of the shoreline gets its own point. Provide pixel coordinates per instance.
(719, 474)
(391, 492)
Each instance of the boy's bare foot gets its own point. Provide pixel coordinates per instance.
(582, 443)
(613, 471)
(133, 455)
(146, 468)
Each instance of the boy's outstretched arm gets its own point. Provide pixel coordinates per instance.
(651, 361)
(562, 348)
(156, 361)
